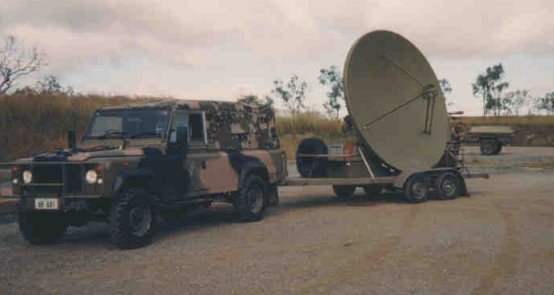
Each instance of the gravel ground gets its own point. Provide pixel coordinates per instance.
(499, 240)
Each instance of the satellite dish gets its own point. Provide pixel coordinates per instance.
(395, 101)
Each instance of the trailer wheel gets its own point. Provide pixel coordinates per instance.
(373, 190)
(416, 189)
(489, 147)
(447, 186)
(499, 148)
(344, 191)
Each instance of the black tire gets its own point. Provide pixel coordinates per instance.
(499, 148)
(372, 190)
(273, 196)
(133, 219)
(311, 166)
(489, 147)
(344, 191)
(447, 186)
(416, 189)
(252, 199)
(39, 228)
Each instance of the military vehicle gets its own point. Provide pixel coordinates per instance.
(489, 138)
(136, 161)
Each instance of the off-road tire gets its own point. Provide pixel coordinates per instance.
(489, 147)
(125, 234)
(344, 191)
(447, 186)
(39, 227)
(252, 199)
(273, 196)
(416, 189)
(373, 190)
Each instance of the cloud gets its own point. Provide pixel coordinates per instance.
(192, 33)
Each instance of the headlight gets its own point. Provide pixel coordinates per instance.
(91, 176)
(27, 176)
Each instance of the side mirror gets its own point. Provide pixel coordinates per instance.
(71, 139)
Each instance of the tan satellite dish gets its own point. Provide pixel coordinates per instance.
(395, 101)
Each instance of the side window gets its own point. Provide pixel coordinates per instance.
(195, 124)
(196, 127)
(180, 119)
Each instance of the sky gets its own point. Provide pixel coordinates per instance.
(217, 49)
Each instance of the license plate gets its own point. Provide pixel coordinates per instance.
(46, 204)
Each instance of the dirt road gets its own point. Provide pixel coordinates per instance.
(498, 240)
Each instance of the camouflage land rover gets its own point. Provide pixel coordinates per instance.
(136, 161)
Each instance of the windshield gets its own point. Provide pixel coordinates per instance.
(128, 123)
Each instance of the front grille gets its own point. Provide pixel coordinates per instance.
(56, 179)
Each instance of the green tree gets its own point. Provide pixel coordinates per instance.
(489, 87)
(292, 93)
(545, 103)
(332, 78)
(254, 99)
(514, 101)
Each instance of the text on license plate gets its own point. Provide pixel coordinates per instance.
(46, 204)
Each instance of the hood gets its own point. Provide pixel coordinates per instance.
(83, 154)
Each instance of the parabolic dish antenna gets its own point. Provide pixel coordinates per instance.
(394, 99)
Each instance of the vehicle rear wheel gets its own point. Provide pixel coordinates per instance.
(252, 199)
(489, 147)
(447, 186)
(373, 190)
(39, 227)
(133, 219)
(416, 189)
(344, 191)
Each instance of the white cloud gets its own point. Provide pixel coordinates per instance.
(190, 32)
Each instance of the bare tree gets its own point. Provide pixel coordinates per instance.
(17, 62)
(292, 93)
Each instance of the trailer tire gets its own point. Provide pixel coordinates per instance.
(416, 189)
(311, 166)
(373, 190)
(344, 191)
(447, 186)
(489, 147)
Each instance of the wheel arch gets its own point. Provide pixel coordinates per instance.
(134, 177)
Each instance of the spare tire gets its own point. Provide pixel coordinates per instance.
(311, 166)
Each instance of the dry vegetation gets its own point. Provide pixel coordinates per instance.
(37, 123)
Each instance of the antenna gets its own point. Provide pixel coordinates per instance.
(394, 99)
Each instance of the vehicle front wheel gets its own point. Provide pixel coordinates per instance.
(133, 219)
(39, 227)
(252, 199)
